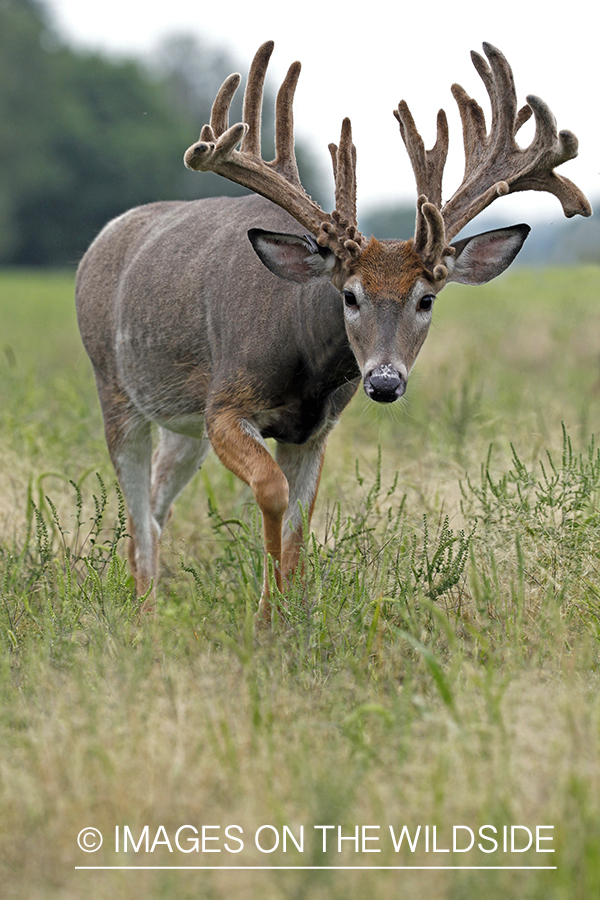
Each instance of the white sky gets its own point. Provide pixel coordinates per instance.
(361, 59)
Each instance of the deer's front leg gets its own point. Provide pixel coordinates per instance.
(302, 465)
(240, 447)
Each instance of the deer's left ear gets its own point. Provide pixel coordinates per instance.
(292, 257)
(484, 256)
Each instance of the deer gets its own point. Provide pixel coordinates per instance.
(224, 322)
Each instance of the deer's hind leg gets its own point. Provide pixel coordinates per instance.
(129, 440)
(176, 460)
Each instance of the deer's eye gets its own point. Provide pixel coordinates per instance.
(425, 303)
(350, 299)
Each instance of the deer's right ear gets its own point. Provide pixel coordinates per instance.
(482, 257)
(292, 257)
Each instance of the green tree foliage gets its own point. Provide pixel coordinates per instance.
(81, 139)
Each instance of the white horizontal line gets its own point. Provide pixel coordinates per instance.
(315, 868)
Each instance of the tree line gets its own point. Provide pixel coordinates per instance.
(83, 137)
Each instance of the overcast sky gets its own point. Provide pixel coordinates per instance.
(359, 60)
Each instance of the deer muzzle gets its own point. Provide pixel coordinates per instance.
(384, 384)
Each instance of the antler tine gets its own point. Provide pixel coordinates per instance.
(428, 168)
(219, 114)
(500, 86)
(253, 99)
(428, 165)
(503, 103)
(342, 234)
(277, 180)
(285, 156)
(343, 159)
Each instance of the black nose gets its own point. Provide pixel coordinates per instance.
(384, 384)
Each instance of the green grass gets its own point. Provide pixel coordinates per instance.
(441, 667)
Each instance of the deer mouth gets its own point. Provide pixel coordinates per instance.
(384, 384)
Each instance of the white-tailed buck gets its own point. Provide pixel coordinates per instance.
(223, 333)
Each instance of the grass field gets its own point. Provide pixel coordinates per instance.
(442, 672)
